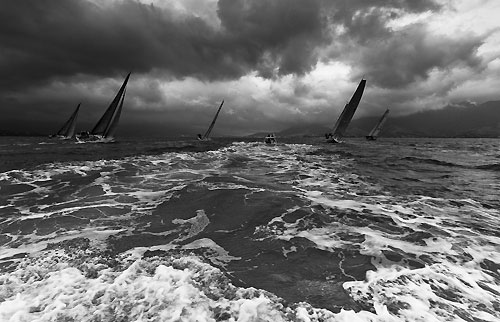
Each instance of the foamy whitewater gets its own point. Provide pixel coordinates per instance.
(391, 230)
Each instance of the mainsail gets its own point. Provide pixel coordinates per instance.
(105, 123)
(376, 130)
(110, 131)
(346, 116)
(68, 129)
(205, 137)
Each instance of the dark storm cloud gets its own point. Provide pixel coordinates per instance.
(279, 34)
(283, 37)
(53, 38)
(42, 40)
(88, 46)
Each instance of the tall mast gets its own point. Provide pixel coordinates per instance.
(213, 122)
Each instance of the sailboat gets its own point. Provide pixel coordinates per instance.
(346, 116)
(205, 137)
(105, 128)
(270, 139)
(376, 130)
(67, 131)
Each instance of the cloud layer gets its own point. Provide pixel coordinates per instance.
(265, 54)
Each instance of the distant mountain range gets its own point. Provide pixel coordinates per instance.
(459, 120)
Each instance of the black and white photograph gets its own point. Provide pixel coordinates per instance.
(249, 160)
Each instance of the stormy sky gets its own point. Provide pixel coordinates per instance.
(276, 63)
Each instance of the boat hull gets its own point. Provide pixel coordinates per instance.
(333, 139)
(94, 139)
(270, 139)
(60, 137)
(371, 138)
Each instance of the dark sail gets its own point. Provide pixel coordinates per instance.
(376, 130)
(68, 129)
(110, 131)
(103, 123)
(348, 112)
(213, 122)
(340, 120)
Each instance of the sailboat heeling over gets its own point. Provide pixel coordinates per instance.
(342, 119)
(346, 116)
(376, 130)
(213, 122)
(104, 123)
(68, 129)
(110, 130)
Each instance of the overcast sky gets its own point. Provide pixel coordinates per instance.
(276, 63)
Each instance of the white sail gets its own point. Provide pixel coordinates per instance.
(376, 130)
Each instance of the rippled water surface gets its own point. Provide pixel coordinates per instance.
(176, 230)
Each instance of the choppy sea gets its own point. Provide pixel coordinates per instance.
(236, 230)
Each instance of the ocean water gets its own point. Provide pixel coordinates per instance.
(236, 230)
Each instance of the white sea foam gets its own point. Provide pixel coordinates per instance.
(32, 243)
(446, 290)
(195, 225)
(433, 293)
(451, 282)
(220, 256)
(153, 289)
